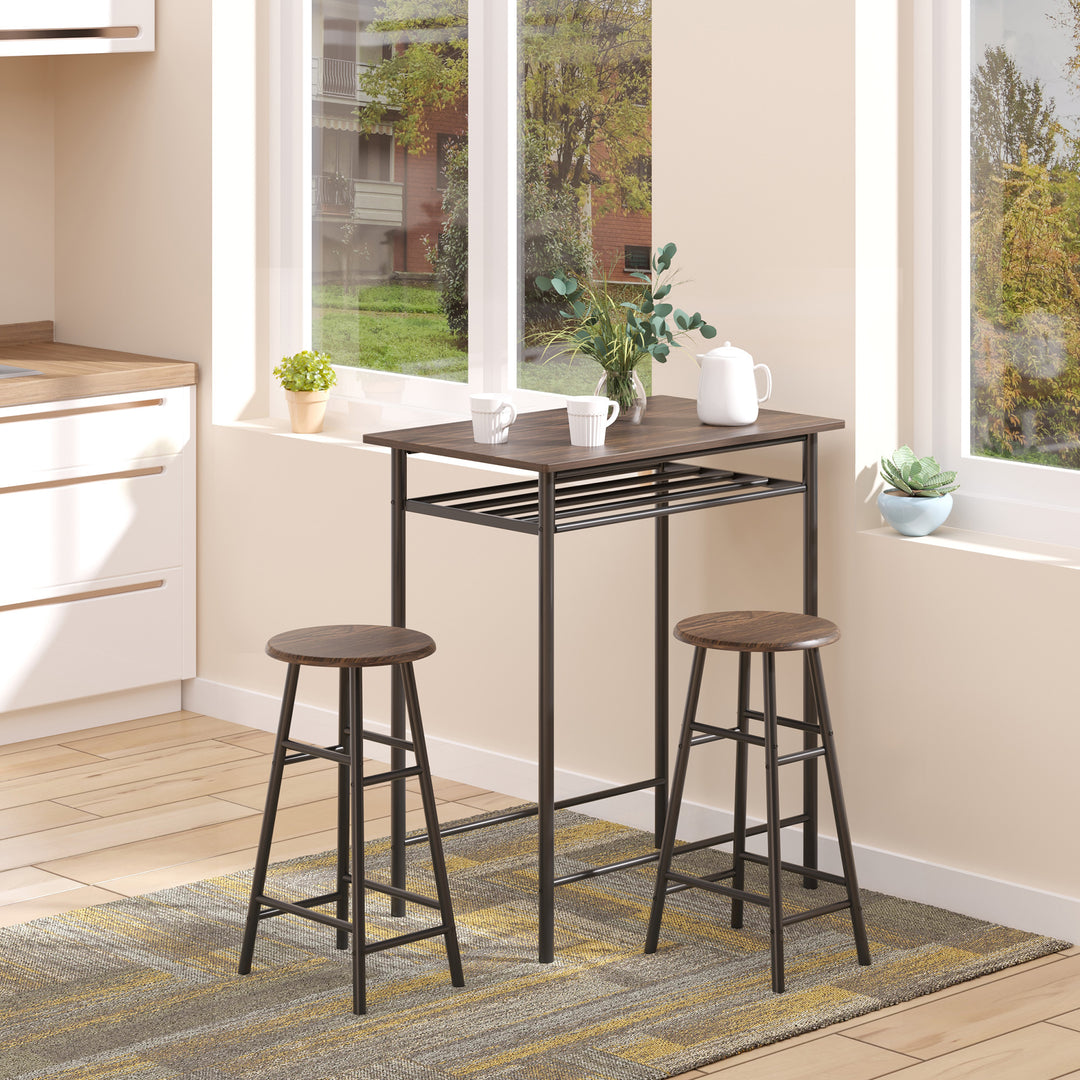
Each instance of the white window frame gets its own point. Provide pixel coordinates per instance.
(1029, 502)
(494, 303)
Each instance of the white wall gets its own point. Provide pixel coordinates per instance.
(26, 189)
(952, 688)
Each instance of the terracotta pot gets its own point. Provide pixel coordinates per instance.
(306, 410)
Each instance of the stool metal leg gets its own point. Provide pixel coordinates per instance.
(431, 822)
(266, 834)
(772, 811)
(738, 880)
(843, 832)
(356, 813)
(342, 908)
(678, 781)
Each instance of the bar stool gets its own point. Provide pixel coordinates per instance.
(351, 649)
(765, 632)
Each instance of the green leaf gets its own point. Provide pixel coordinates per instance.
(905, 455)
(543, 284)
(661, 292)
(708, 331)
(663, 310)
(560, 286)
(682, 320)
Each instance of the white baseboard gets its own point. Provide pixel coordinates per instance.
(88, 712)
(1004, 902)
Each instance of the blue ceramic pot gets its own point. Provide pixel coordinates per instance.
(912, 515)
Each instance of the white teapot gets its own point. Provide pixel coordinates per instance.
(727, 390)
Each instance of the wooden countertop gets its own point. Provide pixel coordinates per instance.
(75, 371)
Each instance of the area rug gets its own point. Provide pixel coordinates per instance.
(147, 987)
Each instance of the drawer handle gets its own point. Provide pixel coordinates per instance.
(150, 470)
(93, 594)
(85, 411)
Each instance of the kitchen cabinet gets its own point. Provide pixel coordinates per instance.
(96, 544)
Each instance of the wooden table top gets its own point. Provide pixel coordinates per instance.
(540, 441)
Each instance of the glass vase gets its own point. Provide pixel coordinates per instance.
(626, 388)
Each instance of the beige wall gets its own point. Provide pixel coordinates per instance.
(953, 685)
(26, 189)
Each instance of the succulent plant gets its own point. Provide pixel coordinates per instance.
(912, 475)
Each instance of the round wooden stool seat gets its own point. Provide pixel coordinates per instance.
(350, 646)
(757, 631)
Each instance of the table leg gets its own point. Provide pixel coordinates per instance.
(810, 607)
(398, 494)
(660, 733)
(545, 795)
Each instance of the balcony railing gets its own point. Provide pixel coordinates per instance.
(337, 78)
(368, 202)
(332, 193)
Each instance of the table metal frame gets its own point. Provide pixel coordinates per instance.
(656, 483)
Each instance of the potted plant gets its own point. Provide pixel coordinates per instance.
(920, 498)
(306, 377)
(618, 335)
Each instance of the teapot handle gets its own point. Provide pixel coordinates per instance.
(768, 382)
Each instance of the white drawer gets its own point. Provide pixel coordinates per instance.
(56, 651)
(91, 526)
(36, 440)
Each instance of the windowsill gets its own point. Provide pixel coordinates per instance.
(977, 543)
(341, 430)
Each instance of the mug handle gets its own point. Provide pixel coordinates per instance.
(768, 382)
(513, 415)
(615, 415)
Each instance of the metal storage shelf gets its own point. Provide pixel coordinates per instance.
(585, 499)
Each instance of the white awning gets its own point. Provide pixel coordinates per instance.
(350, 123)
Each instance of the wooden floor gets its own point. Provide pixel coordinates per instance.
(123, 810)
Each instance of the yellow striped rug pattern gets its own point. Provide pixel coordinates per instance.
(147, 987)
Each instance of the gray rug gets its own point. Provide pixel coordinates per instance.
(147, 987)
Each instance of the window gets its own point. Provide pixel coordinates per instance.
(1001, 290)
(636, 257)
(424, 110)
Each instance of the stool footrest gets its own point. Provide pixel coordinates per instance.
(406, 939)
(729, 837)
(393, 774)
(704, 877)
(306, 751)
(797, 868)
(783, 721)
(386, 740)
(303, 908)
(825, 909)
(688, 881)
(394, 890)
(801, 755)
(711, 733)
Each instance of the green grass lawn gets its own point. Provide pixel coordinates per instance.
(400, 328)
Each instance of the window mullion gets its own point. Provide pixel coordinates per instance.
(493, 211)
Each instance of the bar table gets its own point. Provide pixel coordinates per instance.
(646, 470)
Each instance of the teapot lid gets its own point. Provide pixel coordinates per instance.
(726, 351)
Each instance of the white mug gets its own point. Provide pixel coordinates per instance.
(492, 415)
(589, 419)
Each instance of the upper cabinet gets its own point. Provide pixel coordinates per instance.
(61, 27)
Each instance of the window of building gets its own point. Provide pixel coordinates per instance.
(432, 108)
(1001, 285)
(636, 257)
